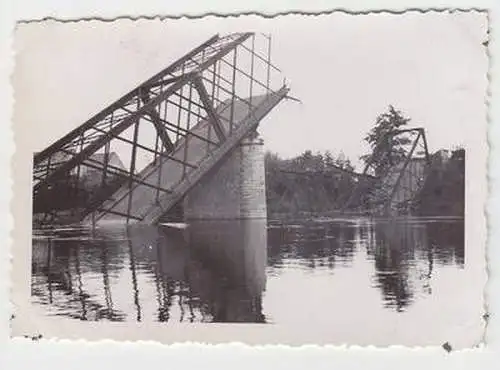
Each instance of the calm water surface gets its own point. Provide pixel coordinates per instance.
(301, 273)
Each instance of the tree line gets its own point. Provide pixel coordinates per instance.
(309, 182)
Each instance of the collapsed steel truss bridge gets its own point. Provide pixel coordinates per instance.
(136, 159)
(394, 173)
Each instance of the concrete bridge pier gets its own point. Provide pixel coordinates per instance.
(236, 189)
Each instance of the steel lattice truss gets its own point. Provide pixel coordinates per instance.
(138, 157)
(395, 171)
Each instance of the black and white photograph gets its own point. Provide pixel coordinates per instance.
(296, 179)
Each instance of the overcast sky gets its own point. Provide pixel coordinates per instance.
(346, 69)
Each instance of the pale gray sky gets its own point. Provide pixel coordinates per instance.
(346, 69)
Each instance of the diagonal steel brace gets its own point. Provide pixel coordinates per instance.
(160, 130)
(212, 115)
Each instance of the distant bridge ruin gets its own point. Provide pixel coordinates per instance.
(389, 184)
(391, 180)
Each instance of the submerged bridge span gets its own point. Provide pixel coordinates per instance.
(172, 135)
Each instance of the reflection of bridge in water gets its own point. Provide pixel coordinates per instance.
(208, 272)
(217, 271)
(404, 251)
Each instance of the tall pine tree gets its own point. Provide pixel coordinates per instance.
(386, 148)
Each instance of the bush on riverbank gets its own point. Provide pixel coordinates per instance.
(443, 193)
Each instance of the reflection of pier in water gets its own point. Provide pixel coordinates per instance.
(212, 271)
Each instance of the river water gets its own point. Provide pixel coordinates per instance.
(321, 273)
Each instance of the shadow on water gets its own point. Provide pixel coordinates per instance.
(217, 271)
(210, 272)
